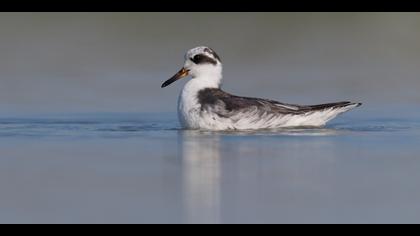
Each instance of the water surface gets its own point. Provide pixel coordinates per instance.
(142, 168)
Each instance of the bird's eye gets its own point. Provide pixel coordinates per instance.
(196, 59)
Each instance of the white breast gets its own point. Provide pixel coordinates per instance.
(188, 104)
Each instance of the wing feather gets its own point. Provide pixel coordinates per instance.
(227, 105)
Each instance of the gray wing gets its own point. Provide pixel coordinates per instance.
(227, 105)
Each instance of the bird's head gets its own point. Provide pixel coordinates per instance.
(200, 63)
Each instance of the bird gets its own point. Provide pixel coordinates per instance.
(203, 105)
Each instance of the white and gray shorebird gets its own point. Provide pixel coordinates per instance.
(203, 105)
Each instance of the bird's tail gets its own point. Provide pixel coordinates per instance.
(321, 114)
(338, 105)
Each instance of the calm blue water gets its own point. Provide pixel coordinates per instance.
(364, 167)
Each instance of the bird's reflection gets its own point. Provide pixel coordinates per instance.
(201, 176)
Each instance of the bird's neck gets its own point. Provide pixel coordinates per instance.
(204, 81)
(188, 98)
(207, 76)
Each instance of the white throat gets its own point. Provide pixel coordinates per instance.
(201, 82)
(206, 76)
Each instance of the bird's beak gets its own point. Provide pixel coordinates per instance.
(181, 74)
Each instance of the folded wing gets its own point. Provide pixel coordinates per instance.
(227, 105)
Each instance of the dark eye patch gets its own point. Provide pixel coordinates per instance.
(202, 59)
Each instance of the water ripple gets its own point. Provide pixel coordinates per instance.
(131, 127)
